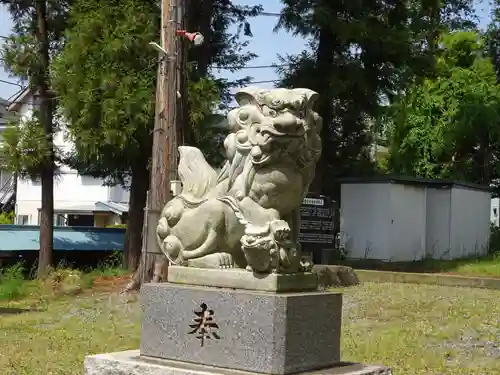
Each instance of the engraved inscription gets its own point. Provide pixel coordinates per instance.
(204, 326)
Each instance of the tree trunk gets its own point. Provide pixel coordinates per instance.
(324, 59)
(433, 13)
(133, 235)
(41, 83)
(46, 222)
(199, 18)
(152, 266)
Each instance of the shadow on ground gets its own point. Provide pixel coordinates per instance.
(17, 310)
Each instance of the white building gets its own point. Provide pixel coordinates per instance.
(78, 200)
(395, 219)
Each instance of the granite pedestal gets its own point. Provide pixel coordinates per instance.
(242, 279)
(219, 330)
(132, 363)
(272, 333)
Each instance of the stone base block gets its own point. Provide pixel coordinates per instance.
(272, 333)
(131, 363)
(237, 278)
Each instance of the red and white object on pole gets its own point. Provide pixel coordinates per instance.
(195, 38)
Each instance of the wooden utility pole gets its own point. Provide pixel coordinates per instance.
(171, 96)
(164, 141)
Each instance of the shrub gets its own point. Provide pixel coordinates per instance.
(7, 218)
(494, 240)
(12, 283)
(117, 226)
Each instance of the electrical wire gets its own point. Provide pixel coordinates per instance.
(269, 14)
(11, 83)
(264, 14)
(250, 66)
(58, 97)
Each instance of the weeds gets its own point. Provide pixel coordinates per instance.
(7, 218)
(12, 283)
(494, 240)
(62, 280)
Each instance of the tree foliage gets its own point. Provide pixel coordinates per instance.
(26, 147)
(7, 218)
(448, 126)
(492, 37)
(360, 55)
(106, 78)
(222, 48)
(37, 36)
(19, 49)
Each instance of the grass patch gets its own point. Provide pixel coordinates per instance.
(423, 329)
(13, 284)
(62, 280)
(54, 339)
(415, 329)
(488, 266)
(110, 268)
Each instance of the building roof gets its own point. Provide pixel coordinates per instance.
(437, 183)
(115, 207)
(17, 101)
(26, 238)
(101, 206)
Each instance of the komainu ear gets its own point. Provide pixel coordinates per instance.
(310, 95)
(247, 95)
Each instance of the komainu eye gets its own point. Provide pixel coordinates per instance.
(243, 116)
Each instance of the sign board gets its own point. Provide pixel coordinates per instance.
(317, 215)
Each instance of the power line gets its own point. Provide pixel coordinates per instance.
(265, 81)
(269, 14)
(250, 66)
(236, 67)
(16, 94)
(231, 67)
(263, 14)
(12, 83)
(58, 97)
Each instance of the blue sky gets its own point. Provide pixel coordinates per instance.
(265, 43)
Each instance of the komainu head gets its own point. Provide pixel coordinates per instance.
(278, 125)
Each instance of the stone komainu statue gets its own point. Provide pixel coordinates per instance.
(247, 216)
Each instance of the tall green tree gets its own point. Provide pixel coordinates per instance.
(492, 37)
(37, 36)
(448, 125)
(360, 54)
(106, 78)
(222, 48)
